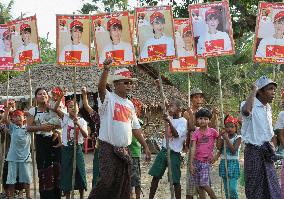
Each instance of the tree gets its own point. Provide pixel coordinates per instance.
(5, 12)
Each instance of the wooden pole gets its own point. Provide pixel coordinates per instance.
(189, 149)
(167, 139)
(222, 114)
(5, 136)
(75, 135)
(32, 135)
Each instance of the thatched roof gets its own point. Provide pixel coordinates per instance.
(48, 76)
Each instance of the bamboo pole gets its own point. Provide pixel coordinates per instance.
(75, 136)
(32, 135)
(167, 139)
(222, 114)
(5, 136)
(189, 149)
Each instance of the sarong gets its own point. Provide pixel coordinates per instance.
(113, 181)
(260, 175)
(67, 169)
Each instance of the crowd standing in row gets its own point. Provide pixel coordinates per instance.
(57, 125)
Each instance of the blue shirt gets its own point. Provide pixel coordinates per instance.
(19, 150)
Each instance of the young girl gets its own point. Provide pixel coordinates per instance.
(67, 125)
(19, 156)
(233, 141)
(203, 140)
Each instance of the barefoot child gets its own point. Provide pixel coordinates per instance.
(176, 133)
(203, 140)
(233, 141)
(19, 156)
(67, 125)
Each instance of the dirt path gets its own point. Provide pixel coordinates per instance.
(163, 191)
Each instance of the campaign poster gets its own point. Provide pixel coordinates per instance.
(269, 38)
(113, 38)
(187, 60)
(73, 40)
(6, 59)
(155, 34)
(25, 45)
(212, 29)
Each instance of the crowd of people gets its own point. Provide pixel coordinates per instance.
(58, 125)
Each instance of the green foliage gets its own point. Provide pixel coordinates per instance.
(5, 12)
(47, 52)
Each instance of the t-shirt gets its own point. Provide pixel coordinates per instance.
(31, 47)
(41, 118)
(117, 118)
(19, 150)
(270, 47)
(135, 148)
(67, 125)
(112, 50)
(280, 121)
(170, 46)
(83, 53)
(208, 42)
(229, 154)
(176, 144)
(204, 144)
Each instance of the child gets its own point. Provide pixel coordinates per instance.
(56, 92)
(233, 141)
(19, 156)
(202, 153)
(67, 125)
(177, 129)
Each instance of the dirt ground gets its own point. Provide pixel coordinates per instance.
(163, 191)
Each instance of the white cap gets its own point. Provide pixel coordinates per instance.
(264, 81)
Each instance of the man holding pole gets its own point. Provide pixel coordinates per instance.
(118, 122)
(257, 132)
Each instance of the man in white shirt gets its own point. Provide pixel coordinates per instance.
(75, 52)
(118, 121)
(28, 52)
(257, 133)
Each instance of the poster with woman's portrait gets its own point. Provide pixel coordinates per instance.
(269, 38)
(73, 40)
(24, 37)
(116, 40)
(155, 34)
(6, 59)
(187, 60)
(212, 29)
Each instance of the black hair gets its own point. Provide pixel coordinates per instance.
(161, 20)
(39, 89)
(117, 26)
(216, 16)
(203, 112)
(177, 102)
(27, 30)
(76, 28)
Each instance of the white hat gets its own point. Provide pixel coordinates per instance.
(121, 74)
(264, 81)
(195, 91)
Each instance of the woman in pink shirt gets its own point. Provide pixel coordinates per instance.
(203, 140)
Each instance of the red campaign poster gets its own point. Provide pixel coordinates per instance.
(113, 38)
(269, 38)
(25, 45)
(212, 29)
(73, 40)
(6, 59)
(155, 34)
(187, 60)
